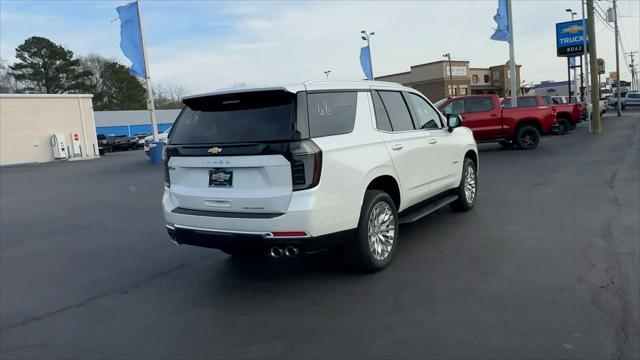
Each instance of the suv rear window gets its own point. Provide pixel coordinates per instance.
(331, 113)
(259, 116)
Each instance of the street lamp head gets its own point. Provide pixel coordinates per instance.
(364, 38)
(364, 32)
(372, 33)
(568, 10)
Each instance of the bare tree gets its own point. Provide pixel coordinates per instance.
(169, 96)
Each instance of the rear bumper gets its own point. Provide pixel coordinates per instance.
(236, 240)
(319, 216)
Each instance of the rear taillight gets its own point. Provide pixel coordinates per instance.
(165, 159)
(306, 164)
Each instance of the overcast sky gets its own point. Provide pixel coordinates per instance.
(207, 45)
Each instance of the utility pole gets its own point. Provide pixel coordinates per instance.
(586, 97)
(593, 57)
(455, 92)
(615, 21)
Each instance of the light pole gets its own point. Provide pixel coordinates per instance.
(326, 73)
(573, 13)
(367, 37)
(455, 93)
(575, 75)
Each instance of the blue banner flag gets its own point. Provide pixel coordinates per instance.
(131, 38)
(365, 62)
(502, 19)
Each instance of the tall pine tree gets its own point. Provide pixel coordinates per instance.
(45, 67)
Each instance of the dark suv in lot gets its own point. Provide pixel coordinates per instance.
(110, 143)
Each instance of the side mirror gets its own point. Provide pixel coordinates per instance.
(454, 121)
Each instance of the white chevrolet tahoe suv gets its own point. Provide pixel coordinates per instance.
(313, 166)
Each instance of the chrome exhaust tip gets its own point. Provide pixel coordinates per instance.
(291, 251)
(276, 252)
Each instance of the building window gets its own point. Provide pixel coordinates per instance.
(475, 79)
(463, 90)
(486, 78)
(452, 90)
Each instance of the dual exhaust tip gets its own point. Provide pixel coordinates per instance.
(288, 251)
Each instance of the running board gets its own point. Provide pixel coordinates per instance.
(427, 209)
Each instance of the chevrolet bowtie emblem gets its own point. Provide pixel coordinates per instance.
(215, 150)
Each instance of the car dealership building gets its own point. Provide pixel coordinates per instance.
(437, 80)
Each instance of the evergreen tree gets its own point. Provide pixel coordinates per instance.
(45, 67)
(120, 90)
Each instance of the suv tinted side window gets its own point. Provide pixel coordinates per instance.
(382, 119)
(428, 117)
(397, 110)
(331, 113)
(478, 104)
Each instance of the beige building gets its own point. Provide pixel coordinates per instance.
(27, 122)
(440, 79)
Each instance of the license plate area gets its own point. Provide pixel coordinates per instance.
(220, 177)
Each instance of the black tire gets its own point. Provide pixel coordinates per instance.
(564, 125)
(527, 137)
(572, 125)
(359, 253)
(466, 201)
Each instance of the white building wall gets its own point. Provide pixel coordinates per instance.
(27, 122)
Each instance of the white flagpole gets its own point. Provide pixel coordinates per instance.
(512, 60)
(150, 104)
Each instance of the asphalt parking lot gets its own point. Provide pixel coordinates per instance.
(546, 266)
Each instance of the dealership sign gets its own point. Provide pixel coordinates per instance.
(570, 37)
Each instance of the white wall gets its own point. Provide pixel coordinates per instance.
(27, 122)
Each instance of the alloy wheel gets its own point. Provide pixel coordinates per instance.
(528, 139)
(470, 185)
(381, 231)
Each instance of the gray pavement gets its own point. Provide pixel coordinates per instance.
(545, 266)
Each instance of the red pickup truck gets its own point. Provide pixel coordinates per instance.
(490, 121)
(568, 114)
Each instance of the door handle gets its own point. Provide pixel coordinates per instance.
(397, 147)
(433, 141)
